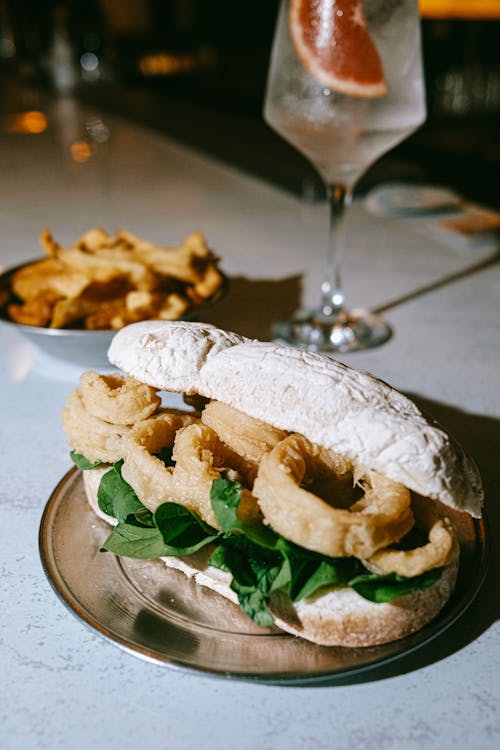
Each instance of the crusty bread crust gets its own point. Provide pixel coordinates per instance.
(350, 412)
(337, 616)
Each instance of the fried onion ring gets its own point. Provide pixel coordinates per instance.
(91, 436)
(247, 438)
(382, 516)
(159, 431)
(199, 456)
(117, 399)
(441, 549)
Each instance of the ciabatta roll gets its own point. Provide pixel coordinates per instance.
(334, 468)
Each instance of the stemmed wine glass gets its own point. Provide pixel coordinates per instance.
(345, 85)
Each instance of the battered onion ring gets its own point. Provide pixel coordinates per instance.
(382, 516)
(248, 438)
(159, 431)
(441, 549)
(200, 457)
(94, 438)
(99, 440)
(117, 399)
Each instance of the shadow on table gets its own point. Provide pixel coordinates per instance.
(480, 436)
(433, 286)
(251, 305)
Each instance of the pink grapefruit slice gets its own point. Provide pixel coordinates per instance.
(332, 41)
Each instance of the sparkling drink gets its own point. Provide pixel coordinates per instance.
(343, 128)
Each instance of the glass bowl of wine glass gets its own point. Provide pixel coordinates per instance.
(345, 85)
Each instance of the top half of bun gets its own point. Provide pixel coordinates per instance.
(350, 412)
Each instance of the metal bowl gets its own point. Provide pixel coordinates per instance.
(76, 346)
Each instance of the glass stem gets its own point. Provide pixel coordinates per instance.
(332, 296)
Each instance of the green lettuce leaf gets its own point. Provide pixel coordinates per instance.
(386, 588)
(225, 498)
(82, 462)
(253, 569)
(115, 496)
(183, 532)
(130, 539)
(171, 530)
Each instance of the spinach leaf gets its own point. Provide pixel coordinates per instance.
(183, 532)
(314, 575)
(386, 588)
(82, 462)
(253, 570)
(262, 562)
(304, 572)
(254, 603)
(133, 540)
(115, 496)
(218, 558)
(171, 530)
(144, 517)
(225, 498)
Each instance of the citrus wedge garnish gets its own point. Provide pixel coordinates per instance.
(332, 41)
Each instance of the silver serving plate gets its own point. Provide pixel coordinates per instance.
(161, 616)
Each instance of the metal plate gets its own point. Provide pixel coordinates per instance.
(159, 615)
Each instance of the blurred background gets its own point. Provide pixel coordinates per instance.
(196, 70)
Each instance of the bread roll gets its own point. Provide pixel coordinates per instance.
(350, 412)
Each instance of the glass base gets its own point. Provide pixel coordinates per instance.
(349, 332)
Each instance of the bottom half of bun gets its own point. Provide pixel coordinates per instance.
(335, 616)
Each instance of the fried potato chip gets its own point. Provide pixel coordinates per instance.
(35, 312)
(141, 302)
(173, 307)
(209, 284)
(48, 244)
(107, 316)
(94, 239)
(47, 276)
(105, 281)
(94, 298)
(187, 263)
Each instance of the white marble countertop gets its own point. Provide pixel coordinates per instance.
(62, 685)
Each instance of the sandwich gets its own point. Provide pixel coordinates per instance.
(316, 498)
